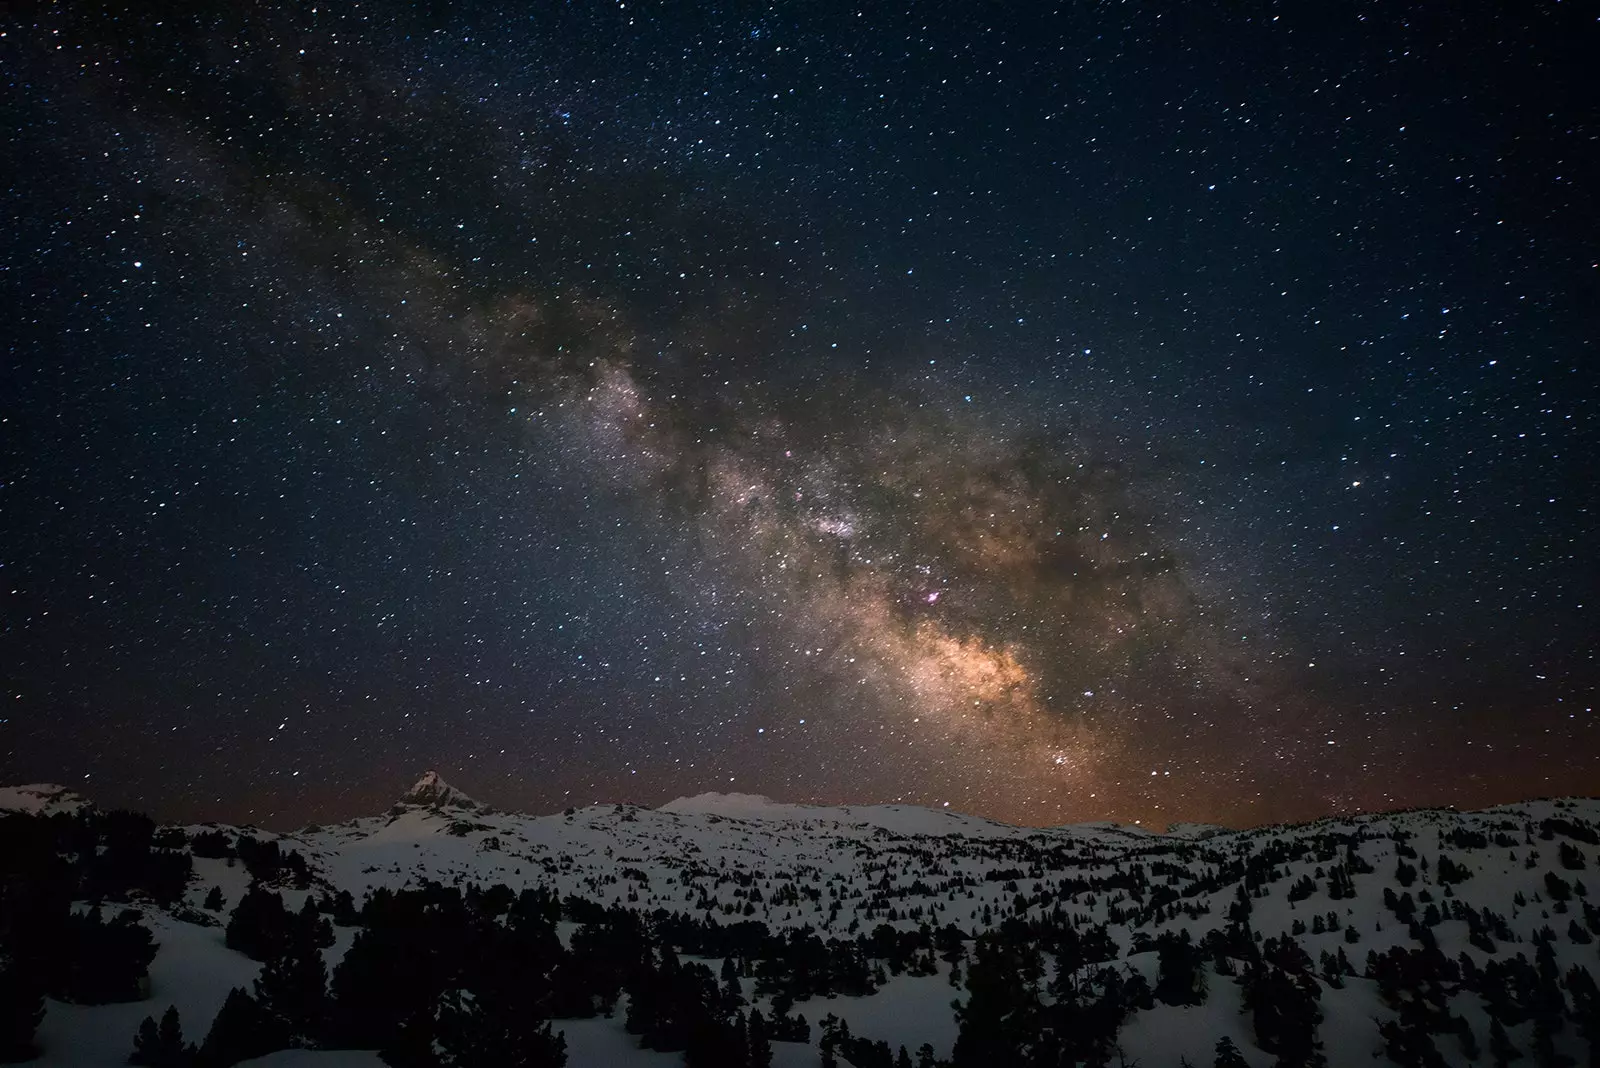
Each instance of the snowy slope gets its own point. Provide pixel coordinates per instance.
(845, 870)
(40, 799)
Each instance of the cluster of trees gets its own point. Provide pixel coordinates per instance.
(263, 929)
(51, 945)
(1419, 982)
(50, 948)
(268, 862)
(676, 1006)
(438, 977)
(837, 1042)
(802, 965)
(432, 979)
(441, 977)
(162, 1045)
(448, 977)
(265, 859)
(1007, 1018)
(1283, 997)
(1014, 1017)
(97, 856)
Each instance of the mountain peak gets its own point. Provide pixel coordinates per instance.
(433, 792)
(745, 806)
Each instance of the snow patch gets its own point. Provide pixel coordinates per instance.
(43, 799)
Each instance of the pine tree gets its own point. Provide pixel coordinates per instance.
(1500, 1047)
(213, 901)
(1228, 1055)
(161, 1046)
(171, 1033)
(311, 926)
(1408, 1044)
(21, 1011)
(1002, 1008)
(1467, 1040)
(293, 989)
(147, 1044)
(386, 982)
(242, 1030)
(259, 925)
(1545, 1028)
(1181, 980)
(1549, 1006)
(343, 909)
(760, 1038)
(1286, 1011)
(475, 1030)
(411, 1043)
(103, 962)
(1586, 1008)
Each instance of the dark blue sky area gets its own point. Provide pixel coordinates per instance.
(1125, 411)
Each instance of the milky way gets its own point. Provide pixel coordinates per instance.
(1038, 414)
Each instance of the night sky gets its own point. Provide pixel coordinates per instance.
(1122, 411)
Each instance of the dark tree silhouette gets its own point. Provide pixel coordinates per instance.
(100, 962)
(474, 1031)
(242, 1030)
(293, 989)
(259, 925)
(162, 1046)
(1500, 1045)
(1181, 980)
(1286, 1013)
(1001, 1014)
(760, 1039)
(21, 1011)
(1228, 1055)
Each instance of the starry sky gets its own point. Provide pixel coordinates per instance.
(1136, 411)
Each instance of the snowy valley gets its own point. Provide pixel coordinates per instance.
(734, 930)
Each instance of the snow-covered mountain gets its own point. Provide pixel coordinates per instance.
(1479, 887)
(431, 791)
(45, 799)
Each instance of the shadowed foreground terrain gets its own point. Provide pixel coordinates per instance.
(730, 930)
